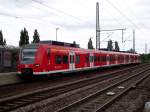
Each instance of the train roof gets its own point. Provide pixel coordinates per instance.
(57, 47)
(88, 50)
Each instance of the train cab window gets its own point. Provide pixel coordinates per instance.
(58, 59)
(77, 59)
(65, 59)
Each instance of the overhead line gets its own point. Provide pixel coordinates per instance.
(58, 10)
(123, 14)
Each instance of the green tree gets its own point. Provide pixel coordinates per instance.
(1, 37)
(117, 46)
(4, 42)
(110, 46)
(131, 51)
(90, 45)
(74, 42)
(24, 38)
(36, 37)
(145, 58)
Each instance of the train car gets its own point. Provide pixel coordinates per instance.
(45, 59)
(8, 60)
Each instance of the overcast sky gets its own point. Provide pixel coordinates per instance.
(76, 20)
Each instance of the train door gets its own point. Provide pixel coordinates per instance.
(91, 59)
(124, 59)
(116, 59)
(107, 59)
(129, 59)
(72, 64)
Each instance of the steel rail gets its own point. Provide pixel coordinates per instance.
(61, 86)
(38, 98)
(66, 108)
(101, 109)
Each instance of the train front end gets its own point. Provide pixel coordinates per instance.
(28, 60)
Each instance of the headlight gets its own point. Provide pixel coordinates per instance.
(37, 65)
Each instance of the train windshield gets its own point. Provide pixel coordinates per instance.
(28, 55)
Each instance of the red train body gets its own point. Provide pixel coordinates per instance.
(40, 59)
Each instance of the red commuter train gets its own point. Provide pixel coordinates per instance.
(45, 58)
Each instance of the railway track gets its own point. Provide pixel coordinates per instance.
(17, 101)
(41, 83)
(98, 101)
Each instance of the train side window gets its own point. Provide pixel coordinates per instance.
(58, 59)
(48, 53)
(0, 58)
(94, 58)
(107, 58)
(110, 58)
(70, 59)
(102, 59)
(113, 58)
(119, 58)
(87, 58)
(65, 59)
(77, 59)
(97, 58)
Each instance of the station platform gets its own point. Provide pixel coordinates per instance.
(9, 78)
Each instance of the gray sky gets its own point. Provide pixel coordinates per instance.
(76, 20)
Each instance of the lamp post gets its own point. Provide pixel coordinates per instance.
(56, 33)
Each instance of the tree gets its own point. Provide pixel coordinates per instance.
(36, 37)
(110, 46)
(24, 38)
(117, 46)
(74, 42)
(145, 58)
(2, 40)
(131, 51)
(90, 45)
(4, 43)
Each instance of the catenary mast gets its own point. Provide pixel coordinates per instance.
(97, 27)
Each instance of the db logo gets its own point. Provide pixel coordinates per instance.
(26, 66)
